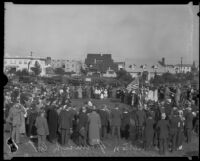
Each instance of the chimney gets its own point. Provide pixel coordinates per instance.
(163, 61)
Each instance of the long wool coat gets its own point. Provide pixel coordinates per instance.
(52, 119)
(94, 128)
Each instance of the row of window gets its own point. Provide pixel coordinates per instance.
(11, 61)
(64, 65)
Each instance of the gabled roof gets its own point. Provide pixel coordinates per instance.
(136, 68)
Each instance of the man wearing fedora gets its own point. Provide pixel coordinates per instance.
(65, 125)
(116, 117)
(82, 126)
(163, 128)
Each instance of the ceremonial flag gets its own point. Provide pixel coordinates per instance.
(133, 85)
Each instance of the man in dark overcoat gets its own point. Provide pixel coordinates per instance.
(52, 119)
(104, 115)
(163, 129)
(174, 123)
(65, 125)
(116, 117)
(83, 126)
(188, 124)
(148, 131)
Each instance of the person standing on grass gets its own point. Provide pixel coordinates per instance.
(141, 117)
(52, 119)
(174, 125)
(188, 124)
(14, 118)
(163, 128)
(104, 115)
(116, 117)
(132, 130)
(125, 124)
(82, 126)
(65, 125)
(180, 131)
(42, 130)
(148, 131)
(94, 125)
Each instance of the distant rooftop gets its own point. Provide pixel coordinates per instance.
(24, 57)
(184, 65)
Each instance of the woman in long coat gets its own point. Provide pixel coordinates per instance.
(94, 127)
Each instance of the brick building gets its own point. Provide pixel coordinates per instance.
(100, 62)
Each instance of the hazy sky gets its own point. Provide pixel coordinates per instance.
(134, 32)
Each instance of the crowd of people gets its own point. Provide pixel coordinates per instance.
(156, 117)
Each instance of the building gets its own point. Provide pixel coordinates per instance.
(183, 68)
(178, 68)
(120, 65)
(110, 73)
(25, 62)
(100, 62)
(67, 65)
(136, 69)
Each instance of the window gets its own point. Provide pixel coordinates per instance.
(20, 62)
(25, 61)
(72, 65)
(5, 62)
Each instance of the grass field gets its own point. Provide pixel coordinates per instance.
(109, 147)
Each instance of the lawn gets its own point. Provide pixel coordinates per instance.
(108, 147)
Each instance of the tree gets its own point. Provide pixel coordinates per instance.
(59, 71)
(83, 71)
(36, 69)
(23, 72)
(124, 76)
(11, 71)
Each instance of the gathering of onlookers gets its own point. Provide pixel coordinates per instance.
(156, 118)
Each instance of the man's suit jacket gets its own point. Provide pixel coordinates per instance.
(163, 128)
(65, 120)
(188, 120)
(104, 117)
(116, 117)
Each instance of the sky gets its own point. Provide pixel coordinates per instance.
(142, 33)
